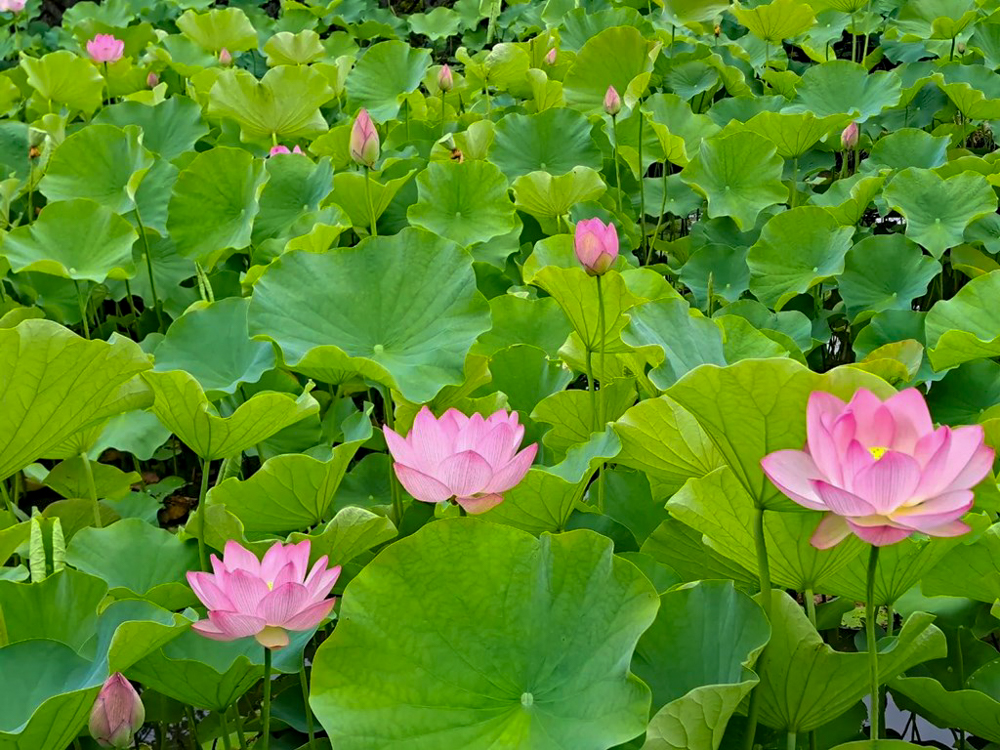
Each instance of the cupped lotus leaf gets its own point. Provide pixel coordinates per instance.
(986, 40)
(541, 502)
(934, 19)
(739, 174)
(717, 269)
(973, 710)
(219, 28)
(69, 479)
(421, 315)
(99, 162)
(907, 147)
(578, 25)
(965, 327)
(884, 272)
(283, 105)
(938, 211)
(520, 320)
(382, 77)
(571, 414)
(74, 239)
(776, 20)
(553, 141)
(221, 329)
(695, 658)
(286, 48)
(691, 78)
(804, 683)
(547, 197)
(213, 204)
(674, 114)
(63, 608)
(54, 384)
(349, 192)
(614, 57)
(797, 250)
(182, 406)
(169, 129)
(683, 549)
(847, 200)
(526, 375)
(793, 134)
(520, 687)
(758, 406)
(440, 23)
(466, 203)
(63, 79)
(137, 560)
(292, 491)
(970, 570)
(842, 87)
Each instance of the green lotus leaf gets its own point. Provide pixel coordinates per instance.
(965, 327)
(719, 269)
(541, 502)
(571, 414)
(352, 532)
(213, 204)
(847, 200)
(970, 570)
(683, 549)
(907, 147)
(966, 394)
(45, 398)
(169, 129)
(440, 23)
(691, 13)
(382, 77)
(692, 78)
(466, 203)
(99, 162)
(182, 407)
(544, 196)
(938, 211)
(554, 141)
(934, 19)
(472, 693)
(421, 315)
(73, 239)
(680, 130)
(349, 192)
(578, 25)
(986, 40)
(69, 478)
(286, 48)
(884, 272)
(136, 559)
(739, 174)
(63, 79)
(525, 375)
(283, 105)
(694, 695)
(797, 250)
(793, 134)
(975, 709)
(614, 57)
(842, 87)
(219, 28)
(804, 683)
(776, 20)
(519, 320)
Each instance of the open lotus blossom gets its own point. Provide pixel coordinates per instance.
(596, 245)
(105, 48)
(880, 469)
(612, 101)
(117, 714)
(279, 149)
(12, 6)
(471, 459)
(263, 598)
(364, 141)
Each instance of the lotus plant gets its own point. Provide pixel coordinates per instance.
(225, 57)
(105, 48)
(12, 6)
(279, 149)
(446, 81)
(117, 714)
(364, 147)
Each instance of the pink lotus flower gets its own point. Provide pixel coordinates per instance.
(152, 79)
(225, 57)
(596, 245)
(849, 138)
(117, 714)
(279, 149)
(550, 56)
(446, 81)
(880, 469)
(104, 48)
(264, 599)
(12, 6)
(364, 140)
(612, 101)
(471, 459)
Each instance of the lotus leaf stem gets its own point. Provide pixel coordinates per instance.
(870, 611)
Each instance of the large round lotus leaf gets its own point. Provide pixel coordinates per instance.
(938, 211)
(614, 57)
(465, 203)
(100, 162)
(739, 174)
(384, 75)
(54, 384)
(295, 186)
(169, 129)
(284, 104)
(349, 192)
(74, 239)
(797, 250)
(509, 641)
(420, 314)
(182, 406)
(547, 197)
(908, 147)
(934, 19)
(62, 78)
(553, 141)
(973, 89)
(793, 134)
(976, 709)
(219, 28)
(214, 202)
(580, 24)
(286, 48)
(884, 272)
(522, 320)
(721, 268)
(694, 657)
(440, 23)
(965, 327)
(776, 20)
(842, 87)
(221, 329)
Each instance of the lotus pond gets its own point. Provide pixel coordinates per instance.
(488, 375)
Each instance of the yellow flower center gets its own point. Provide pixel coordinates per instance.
(270, 585)
(878, 451)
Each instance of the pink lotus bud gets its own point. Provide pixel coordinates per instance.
(612, 102)
(279, 149)
(446, 81)
(297, 150)
(225, 58)
(117, 714)
(104, 48)
(364, 140)
(596, 245)
(152, 79)
(550, 56)
(12, 6)
(849, 138)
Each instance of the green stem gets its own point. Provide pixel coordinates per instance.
(227, 740)
(368, 199)
(790, 743)
(590, 386)
(309, 715)
(265, 711)
(810, 598)
(764, 575)
(91, 488)
(390, 422)
(240, 735)
(642, 191)
(951, 55)
(11, 506)
(614, 155)
(192, 725)
(442, 111)
(206, 464)
(602, 395)
(795, 182)
(854, 42)
(149, 270)
(83, 310)
(31, 190)
(663, 208)
(870, 611)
